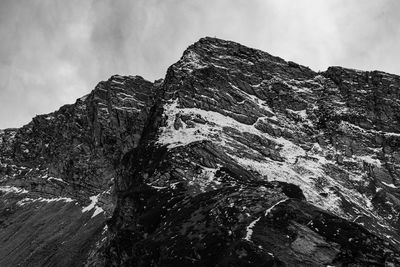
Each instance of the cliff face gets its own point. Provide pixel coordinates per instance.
(57, 174)
(236, 158)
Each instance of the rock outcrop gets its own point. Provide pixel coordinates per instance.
(236, 158)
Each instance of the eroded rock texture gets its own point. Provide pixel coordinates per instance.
(236, 158)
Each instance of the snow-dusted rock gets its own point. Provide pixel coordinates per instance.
(236, 158)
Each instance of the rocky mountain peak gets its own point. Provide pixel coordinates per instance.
(237, 157)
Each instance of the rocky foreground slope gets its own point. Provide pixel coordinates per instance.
(236, 158)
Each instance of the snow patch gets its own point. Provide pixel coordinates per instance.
(28, 200)
(304, 169)
(368, 159)
(83, 98)
(290, 151)
(57, 179)
(249, 229)
(259, 102)
(301, 174)
(49, 118)
(273, 206)
(192, 60)
(392, 134)
(301, 113)
(207, 177)
(12, 189)
(349, 127)
(213, 130)
(241, 60)
(124, 96)
(93, 205)
(118, 82)
(390, 185)
(128, 109)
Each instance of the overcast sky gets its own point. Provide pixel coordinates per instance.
(54, 51)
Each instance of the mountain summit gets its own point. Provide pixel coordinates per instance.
(235, 158)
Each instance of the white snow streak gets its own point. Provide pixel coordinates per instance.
(93, 205)
(249, 229)
(273, 206)
(390, 185)
(28, 200)
(12, 189)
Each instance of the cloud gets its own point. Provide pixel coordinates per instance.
(35, 76)
(54, 51)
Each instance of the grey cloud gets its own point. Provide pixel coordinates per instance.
(54, 51)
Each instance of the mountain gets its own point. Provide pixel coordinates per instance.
(235, 158)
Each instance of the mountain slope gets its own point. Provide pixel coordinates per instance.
(236, 158)
(57, 173)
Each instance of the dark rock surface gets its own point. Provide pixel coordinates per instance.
(236, 158)
(57, 174)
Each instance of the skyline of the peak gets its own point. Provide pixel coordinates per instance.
(54, 52)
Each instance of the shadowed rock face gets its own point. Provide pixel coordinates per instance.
(236, 158)
(57, 174)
